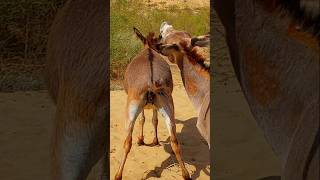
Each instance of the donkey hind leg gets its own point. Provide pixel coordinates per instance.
(77, 147)
(166, 109)
(141, 124)
(155, 127)
(134, 107)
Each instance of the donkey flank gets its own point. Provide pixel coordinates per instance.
(183, 50)
(148, 83)
(279, 75)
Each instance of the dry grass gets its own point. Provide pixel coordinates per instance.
(24, 27)
(23, 37)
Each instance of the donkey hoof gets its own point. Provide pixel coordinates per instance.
(117, 177)
(140, 142)
(186, 176)
(155, 142)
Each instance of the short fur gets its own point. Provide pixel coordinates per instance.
(77, 74)
(279, 75)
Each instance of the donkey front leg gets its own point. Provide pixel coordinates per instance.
(141, 124)
(166, 109)
(78, 144)
(134, 107)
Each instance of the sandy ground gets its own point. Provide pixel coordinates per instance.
(145, 162)
(240, 151)
(25, 131)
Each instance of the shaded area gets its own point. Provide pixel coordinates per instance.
(189, 126)
(25, 136)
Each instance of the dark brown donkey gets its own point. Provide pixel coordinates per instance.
(77, 73)
(148, 83)
(182, 50)
(274, 48)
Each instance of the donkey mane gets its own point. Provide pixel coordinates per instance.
(151, 37)
(194, 57)
(152, 41)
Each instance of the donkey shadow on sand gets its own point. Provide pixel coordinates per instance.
(199, 157)
(189, 138)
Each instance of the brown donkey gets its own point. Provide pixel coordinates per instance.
(274, 48)
(148, 83)
(77, 74)
(182, 50)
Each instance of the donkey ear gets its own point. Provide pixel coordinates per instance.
(139, 35)
(201, 41)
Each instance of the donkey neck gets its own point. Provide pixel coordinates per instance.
(195, 80)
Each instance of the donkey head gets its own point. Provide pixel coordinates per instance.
(169, 35)
(175, 51)
(165, 28)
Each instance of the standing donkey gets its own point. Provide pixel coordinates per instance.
(182, 50)
(148, 83)
(274, 49)
(77, 74)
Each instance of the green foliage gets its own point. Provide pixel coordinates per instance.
(126, 14)
(24, 26)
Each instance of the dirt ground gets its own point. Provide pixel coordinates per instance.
(25, 131)
(240, 151)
